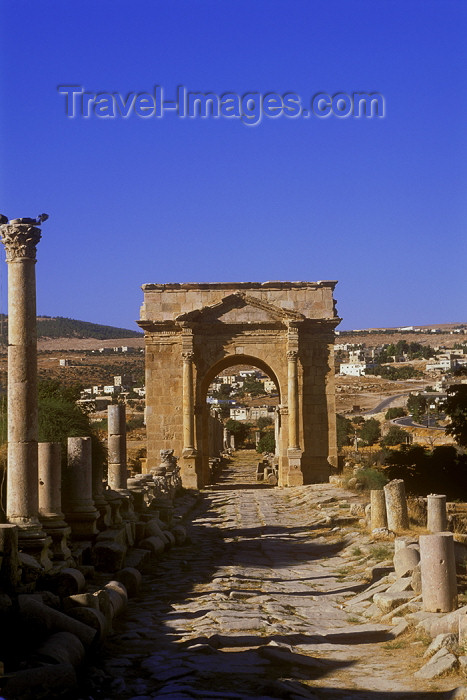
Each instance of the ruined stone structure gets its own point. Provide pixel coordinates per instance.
(286, 329)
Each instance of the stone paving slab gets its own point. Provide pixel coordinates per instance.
(258, 604)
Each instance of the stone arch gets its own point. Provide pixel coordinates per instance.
(192, 331)
(203, 383)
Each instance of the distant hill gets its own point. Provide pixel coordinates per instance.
(61, 327)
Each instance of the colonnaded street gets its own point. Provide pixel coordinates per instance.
(253, 606)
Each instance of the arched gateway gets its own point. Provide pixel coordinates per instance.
(193, 331)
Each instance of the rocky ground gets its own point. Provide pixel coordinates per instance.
(253, 606)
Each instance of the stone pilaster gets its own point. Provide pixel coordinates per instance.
(189, 474)
(294, 453)
(20, 238)
(292, 394)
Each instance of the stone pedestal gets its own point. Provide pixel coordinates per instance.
(190, 478)
(396, 505)
(294, 472)
(20, 238)
(136, 488)
(378, 509)
(50, 499)
(438, 571)
(436, 513)
(78, 505)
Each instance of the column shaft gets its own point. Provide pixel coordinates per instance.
(293, 400)
(117, 473)
(20, 237)
(188, 402)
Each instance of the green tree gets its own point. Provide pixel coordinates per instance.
(344, 431)
(417, 406)
(60, 418)
(455, 407)
(263, 422)
(443, 470)
(394, 436)
(395, 412)
(253, 387)
(370, 431)
(239, 429)
(267, 443)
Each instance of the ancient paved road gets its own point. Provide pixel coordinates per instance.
(250, 609)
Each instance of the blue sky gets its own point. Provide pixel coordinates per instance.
(377, 204)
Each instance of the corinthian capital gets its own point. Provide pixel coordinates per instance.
(292, 355)
(20, 236)
(188, 355)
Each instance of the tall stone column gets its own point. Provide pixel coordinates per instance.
(294, 453)
(188, 464)
(20, 238)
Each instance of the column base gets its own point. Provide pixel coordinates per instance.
(294, 475)
(105, 514)
(126, 508)
(37, 547)
(83, 524)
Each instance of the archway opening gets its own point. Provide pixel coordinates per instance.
(241, 422)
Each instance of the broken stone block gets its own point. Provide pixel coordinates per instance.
(31, 570)
(402, 584)
(405, 561)
(109, 556)
(131, 579)
(138, 559)
(442, 641)
(61, 648)
(154, 544)
(92, 618)
(50, 681)
(389, 601)
(179, 533)
(118, 596)
(40, 616)
(416, 579)
(442, 662)
(437, 623)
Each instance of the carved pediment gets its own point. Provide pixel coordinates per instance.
(241, 308)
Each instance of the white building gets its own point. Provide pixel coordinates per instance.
(353, 369)
(239, 413)
(269, 386)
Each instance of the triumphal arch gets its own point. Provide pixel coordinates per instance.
(286, 329)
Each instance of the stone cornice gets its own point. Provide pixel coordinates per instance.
(239, 285)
